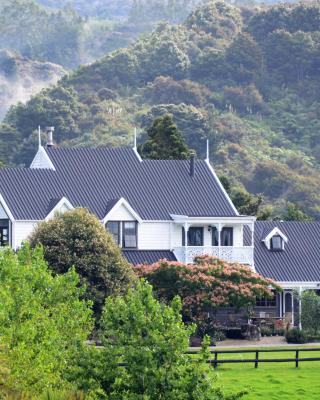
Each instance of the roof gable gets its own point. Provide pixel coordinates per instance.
(121, 203)
(42, 160)
(57, 205)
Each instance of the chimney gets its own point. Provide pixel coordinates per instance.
(192, 162)
(50, 130)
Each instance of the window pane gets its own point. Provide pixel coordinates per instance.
(227, 237)
(114, 228)
(130, 234)
(4, 232)
(215, 236)
(195, 237)
(276, 243)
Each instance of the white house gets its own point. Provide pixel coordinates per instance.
(156, 209)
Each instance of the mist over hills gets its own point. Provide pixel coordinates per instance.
(246, 77)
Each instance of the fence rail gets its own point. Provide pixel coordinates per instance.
(257, 359)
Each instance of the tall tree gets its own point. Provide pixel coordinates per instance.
(76, 238)
(165, 141)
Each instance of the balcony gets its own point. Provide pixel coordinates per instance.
(242, 255)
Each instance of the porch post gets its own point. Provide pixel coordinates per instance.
(292, 308)
(219, 238)
(186, 229)
(252, 246)
(280, 304)
(300, 307)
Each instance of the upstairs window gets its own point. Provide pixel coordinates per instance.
(125, 233)
(215, 236)
(114, 228)
(227, 237)
(276, 243)
(195, 236)
(129, 235)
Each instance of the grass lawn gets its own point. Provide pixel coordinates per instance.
(272, 381)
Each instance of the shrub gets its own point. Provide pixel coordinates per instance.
(151, 340)
(266, 331)
(296, 335)
(76, 238)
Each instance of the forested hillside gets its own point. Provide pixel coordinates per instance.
(246, 78)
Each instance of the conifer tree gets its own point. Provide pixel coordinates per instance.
(165, 141)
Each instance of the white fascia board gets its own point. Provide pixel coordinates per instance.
(48, 163)
(221, 186)
(122, 202)
(6, 208)
(297, 285)
(275, 231)
(63, 201)
(137, 154)
(242, 220)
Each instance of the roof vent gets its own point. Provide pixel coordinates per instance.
(50, 130)
(192, 162)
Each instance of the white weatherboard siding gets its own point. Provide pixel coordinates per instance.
(154, 236)
(120, 214)
(21, 232)
(3, 214)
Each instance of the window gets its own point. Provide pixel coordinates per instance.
(267, 302)
(129, 232)
(195, 237)
(114, 228)
(215, 236)
(276, 243)
(227, 237)
(4, 232)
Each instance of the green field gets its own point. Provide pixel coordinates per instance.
(272, 381)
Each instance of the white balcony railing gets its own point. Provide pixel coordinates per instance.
(242, 255)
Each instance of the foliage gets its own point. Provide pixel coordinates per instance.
(310, 312)
(43, 323)
(295, 335)
(206, 285)
(76, 238)
(293, 213)
(245, 79)
(165, 141)
(150, 339)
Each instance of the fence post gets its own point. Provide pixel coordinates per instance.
(257, 359)
(215, 364)
(297, 358)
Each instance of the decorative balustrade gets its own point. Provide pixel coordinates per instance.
(243, 255)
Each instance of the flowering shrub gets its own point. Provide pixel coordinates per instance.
(206, 285)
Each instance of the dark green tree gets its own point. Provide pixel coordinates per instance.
(165, 141)
(76, 238)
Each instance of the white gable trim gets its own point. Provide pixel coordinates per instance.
(221, 186)
(6, 208)
(122, 202)
(63, 201)
(275, 231)
(42, 160)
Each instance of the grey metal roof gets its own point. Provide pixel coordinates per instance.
(300, 260)
(94, 178)
(136, 257)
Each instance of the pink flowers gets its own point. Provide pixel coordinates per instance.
(207, 284)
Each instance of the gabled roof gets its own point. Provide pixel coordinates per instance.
(94, 178)
(300, 260)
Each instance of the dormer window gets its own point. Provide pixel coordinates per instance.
(275, 240)
(276, 243)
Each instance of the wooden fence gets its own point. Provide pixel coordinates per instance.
(257, 358)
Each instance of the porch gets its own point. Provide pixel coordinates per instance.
(227, 238)
(241, 254)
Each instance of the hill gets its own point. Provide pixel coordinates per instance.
(21, 77)
(247, 78)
